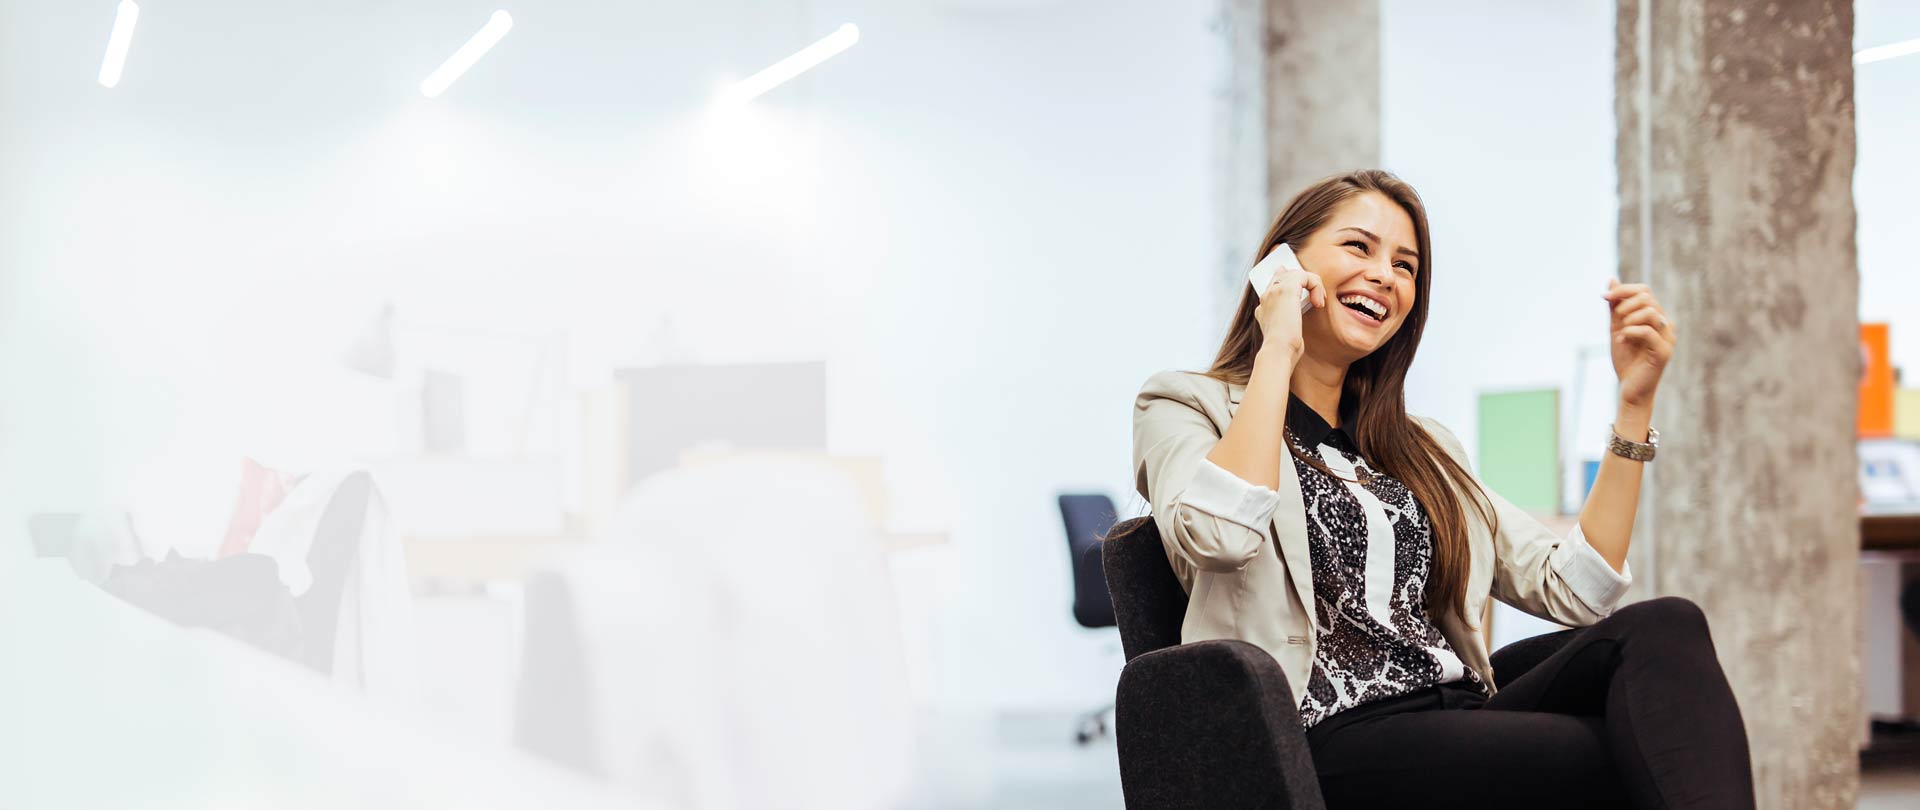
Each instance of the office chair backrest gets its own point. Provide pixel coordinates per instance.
(336, 545)
(553, 708)
(1087, 518)
(1148, 601)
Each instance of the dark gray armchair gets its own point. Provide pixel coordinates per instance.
(1213, 724)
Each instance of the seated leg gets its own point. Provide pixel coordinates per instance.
(1673, 726)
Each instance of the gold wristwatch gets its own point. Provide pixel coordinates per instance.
(1638, 451)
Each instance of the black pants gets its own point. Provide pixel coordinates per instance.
(1633, 712)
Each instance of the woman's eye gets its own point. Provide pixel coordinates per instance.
(1404, 266)
(1361, 245)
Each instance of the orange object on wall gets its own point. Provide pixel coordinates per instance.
(1876, 385)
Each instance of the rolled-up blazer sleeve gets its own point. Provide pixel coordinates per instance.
(1560, 579)
(1209, 518)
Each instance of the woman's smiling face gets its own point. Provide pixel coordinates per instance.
(1366, 248)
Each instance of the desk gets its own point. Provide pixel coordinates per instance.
(1898, 531)
(107, 705)
(479, 558)
(1890, 542)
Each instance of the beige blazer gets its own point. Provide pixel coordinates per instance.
(1240, 549)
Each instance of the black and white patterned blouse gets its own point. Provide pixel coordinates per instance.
(1372, 549)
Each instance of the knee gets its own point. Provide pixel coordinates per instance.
(1676, 614)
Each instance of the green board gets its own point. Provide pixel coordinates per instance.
(1520, 447)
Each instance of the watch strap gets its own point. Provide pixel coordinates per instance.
(1638, 451)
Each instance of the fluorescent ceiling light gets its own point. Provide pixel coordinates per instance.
(117, 42)
(1881, 53)
(779, 72)
(449, 71)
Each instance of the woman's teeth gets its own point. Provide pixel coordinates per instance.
(1366, 306)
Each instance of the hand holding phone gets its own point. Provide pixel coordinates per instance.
(1279, 260)
(1279, 325)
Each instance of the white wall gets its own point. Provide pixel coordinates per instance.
(1885, 176)
(989, 218)
(1036, 246)
(191, 251)
(1501, 114)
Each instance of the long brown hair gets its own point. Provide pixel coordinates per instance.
(1374, 390)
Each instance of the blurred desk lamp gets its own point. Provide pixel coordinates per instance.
(372, 352)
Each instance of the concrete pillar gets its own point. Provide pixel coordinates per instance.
(1735, 152)
(1322, 93)
(1297, 99)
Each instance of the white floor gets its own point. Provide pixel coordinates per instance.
(1014, 762)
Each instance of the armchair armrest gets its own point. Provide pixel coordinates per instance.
(1212, 725)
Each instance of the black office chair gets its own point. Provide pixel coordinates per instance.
(553, 713)
(1910, 607)
(1087, 518)
(1213, 723)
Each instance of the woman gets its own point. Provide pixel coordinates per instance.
(1308, 513)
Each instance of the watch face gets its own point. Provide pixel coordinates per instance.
(1653, 437)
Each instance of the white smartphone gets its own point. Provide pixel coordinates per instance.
(1281, 258)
